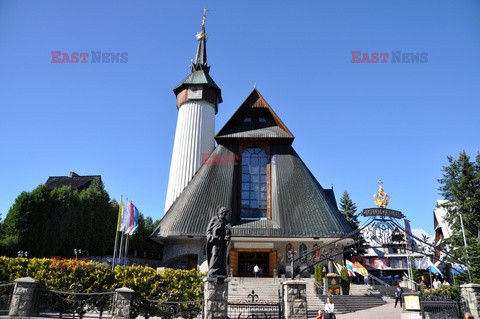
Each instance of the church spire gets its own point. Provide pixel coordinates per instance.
(200, 62)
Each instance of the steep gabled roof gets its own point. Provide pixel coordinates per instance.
(262, 122)
(300, 206)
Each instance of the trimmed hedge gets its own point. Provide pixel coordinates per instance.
(168, 284)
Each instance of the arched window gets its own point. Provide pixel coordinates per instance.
(254, 184)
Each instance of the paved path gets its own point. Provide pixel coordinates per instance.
(387, 311)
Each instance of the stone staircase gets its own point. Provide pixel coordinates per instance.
(361, 296)
(267, 289)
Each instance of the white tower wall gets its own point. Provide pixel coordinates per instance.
(194, 135)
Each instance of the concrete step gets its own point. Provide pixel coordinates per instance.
(267, 289)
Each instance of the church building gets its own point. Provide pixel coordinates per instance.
(276, 204)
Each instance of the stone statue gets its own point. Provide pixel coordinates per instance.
(218, 237)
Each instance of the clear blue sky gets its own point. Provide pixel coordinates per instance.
(354, 123)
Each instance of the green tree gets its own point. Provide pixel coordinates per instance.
(54, 222)
(140, 243)
(460, 186)
(348, 209)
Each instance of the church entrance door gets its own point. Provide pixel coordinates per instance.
(248, 260)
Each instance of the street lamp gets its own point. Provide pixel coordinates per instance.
(21, 253)
(77, 252)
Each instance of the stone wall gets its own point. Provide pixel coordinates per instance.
(176, 252)
(471, 293)
(24, 302)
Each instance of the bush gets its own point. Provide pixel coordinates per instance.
(318, 274)
(345, 280)
(168, 284)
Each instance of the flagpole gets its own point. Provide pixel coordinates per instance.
(119, 224)
(115, 250)
(126, 246)
(431, 282)
(120, 248)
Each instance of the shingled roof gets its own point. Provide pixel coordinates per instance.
(73, 180)
(300, 207)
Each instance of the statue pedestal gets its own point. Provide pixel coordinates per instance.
(332, 284)
(295, 299)
(216, 297)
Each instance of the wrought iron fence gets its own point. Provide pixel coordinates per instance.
(61, 304)
(6, 292)
(147, 308)
(443, 307)
(257, 310)
(253, 308)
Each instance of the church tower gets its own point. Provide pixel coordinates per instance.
(198, 97)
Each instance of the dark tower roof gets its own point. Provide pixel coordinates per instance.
(200, 62)
(200, 69)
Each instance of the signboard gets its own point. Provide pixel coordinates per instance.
(411, 302)
(382, 212)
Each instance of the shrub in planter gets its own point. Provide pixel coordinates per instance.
(318, 274)
(345, 280)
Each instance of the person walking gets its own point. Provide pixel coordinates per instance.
(329, 309)
(398, 296)
(256, 271)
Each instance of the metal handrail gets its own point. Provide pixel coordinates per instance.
(378, 280)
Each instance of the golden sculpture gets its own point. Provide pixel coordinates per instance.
(381, 197)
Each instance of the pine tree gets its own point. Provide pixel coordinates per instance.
(348, 209)
(460, 185)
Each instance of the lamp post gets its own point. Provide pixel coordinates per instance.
(77, 252)
(465, 243)
(21, 254)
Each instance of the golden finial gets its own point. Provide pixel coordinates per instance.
(202, 33)
(381, 197)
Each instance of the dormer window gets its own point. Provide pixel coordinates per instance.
(262, 120)
(247, 120)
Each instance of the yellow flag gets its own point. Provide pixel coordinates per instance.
(120, 213)
(360, 269)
